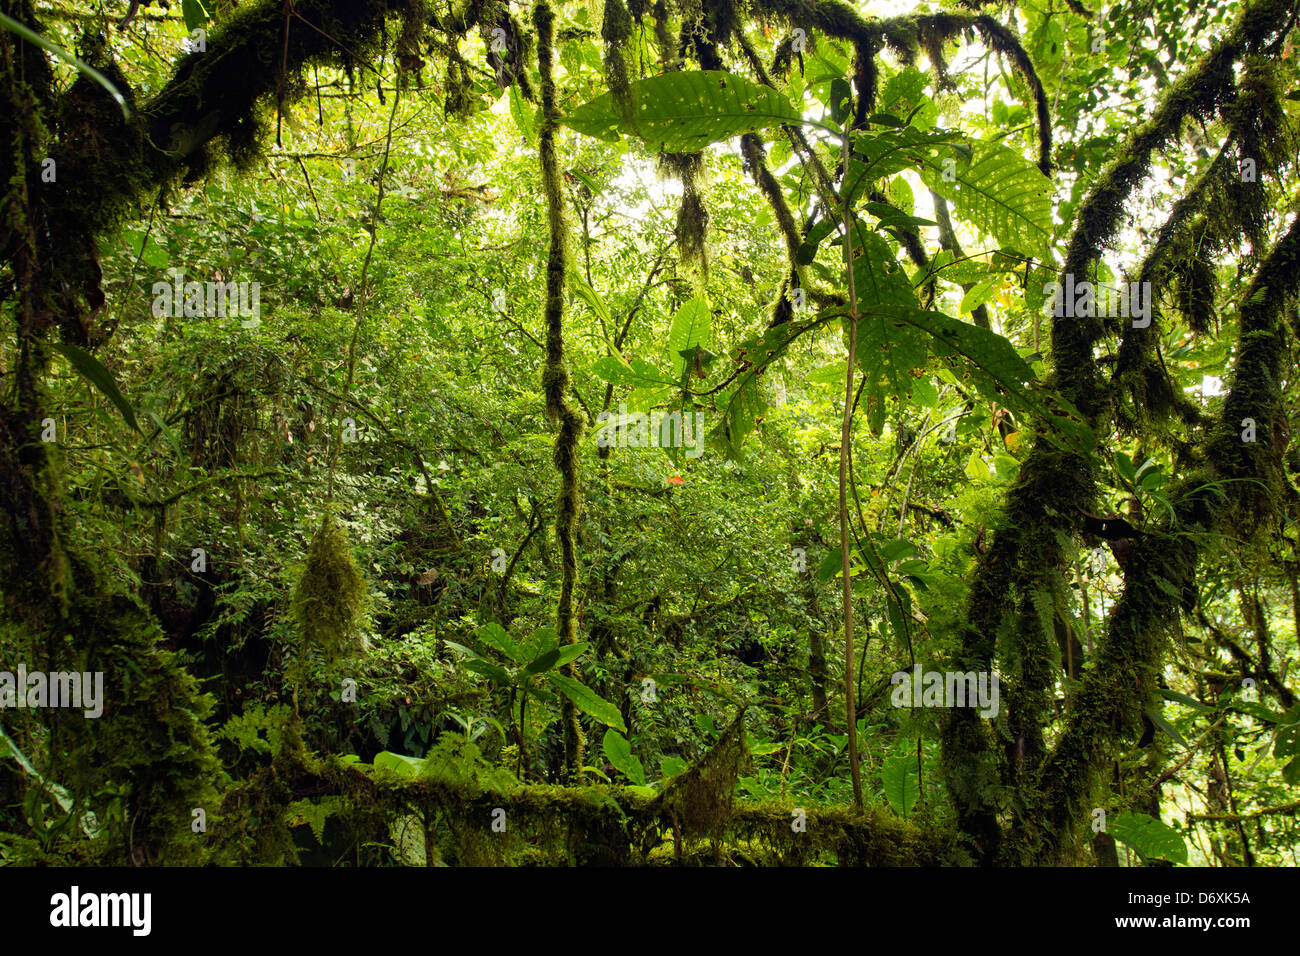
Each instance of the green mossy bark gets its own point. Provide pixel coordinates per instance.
(555, 377)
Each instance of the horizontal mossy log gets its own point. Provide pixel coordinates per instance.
(601, 825)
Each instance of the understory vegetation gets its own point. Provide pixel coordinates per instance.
(649, 432)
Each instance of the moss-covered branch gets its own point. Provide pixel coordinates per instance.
(555, 377)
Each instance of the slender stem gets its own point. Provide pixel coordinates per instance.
(850, 699)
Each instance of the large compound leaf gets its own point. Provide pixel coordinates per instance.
(685, 111)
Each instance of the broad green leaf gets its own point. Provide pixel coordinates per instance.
(638, 373)
(1149, 837)
(589, 702)
(1184, 699)
(494, 635)
(194, 13)
(94, 372)
(999, 191)
(619, 752)
(557, 657)
(690, 328)
(522, 113)
(999, 372)
(571, 652)
(1288, 741)
(898, 774)
(489, 670)
(831, 566)
(398, 763)
(979, 293)
(543, 662)
(588, 295)
(671, 766)
(832, 374)
(685, 111)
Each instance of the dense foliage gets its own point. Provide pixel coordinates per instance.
(462, 431)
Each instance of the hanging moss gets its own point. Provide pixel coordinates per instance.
(616, 30)
(1239, 488)
(698, 802)
(692, 217)
(330, 604)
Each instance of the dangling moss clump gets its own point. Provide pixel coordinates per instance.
(616, 30)
(330, 604)
(698, 802)
(692, 218)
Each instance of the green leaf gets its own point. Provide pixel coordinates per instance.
(690, 328)
(1159, 720)
(671, 766)
(166, 432)
(589, 702)
(1184, 699)
(588, 295)
(557, 657)
(619, 752)
(522, 113)
(997, 369)
(543, 662)
(1288, 741)
(638, 372)
(1149, 837)
(571, 652)
(979, 293)
(832, 566)
(95, 373)
(32, 37)
(898, 774)
(194, 13)
(1291, 772)
(488, 669)
(494, 635)
(398, 763)
(685, 111)
(999, 191)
